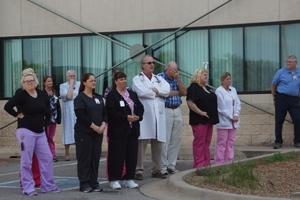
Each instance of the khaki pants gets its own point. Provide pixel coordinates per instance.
(156, 149)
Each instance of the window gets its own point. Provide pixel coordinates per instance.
(96, 57)
(192, 51)
(37, 55)
(290, 42)
(66, 56)
(226, 52)
(12, 66)
(261, 57)
(131, 68)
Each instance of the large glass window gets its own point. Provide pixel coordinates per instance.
(163, 51)
(66, 56)
(251, 54)
(261, 57)
(120, 53)
(290, 41)
(37, 55)
(192, 51)
(96, 57)
(226, 52)
(12, 66)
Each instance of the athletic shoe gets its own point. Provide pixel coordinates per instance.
(130, 184)
(115, 185)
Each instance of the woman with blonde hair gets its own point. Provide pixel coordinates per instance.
(35, 164)
(202, 102)
(229, 107)
(31, 135)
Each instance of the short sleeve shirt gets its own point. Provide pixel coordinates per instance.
(205, 101)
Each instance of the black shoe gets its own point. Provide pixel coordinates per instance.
(55, 159)
(138, 176)
(98, 189)
(277, 146)
(158, 174)
(87, 190)
(297, 145)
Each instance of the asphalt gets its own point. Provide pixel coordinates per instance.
(150, 188)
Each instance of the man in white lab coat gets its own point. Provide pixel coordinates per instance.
(151, 89)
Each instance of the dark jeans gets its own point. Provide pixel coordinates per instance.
(88, 152)
(284, 103)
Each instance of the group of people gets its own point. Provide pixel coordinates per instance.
(149, 112)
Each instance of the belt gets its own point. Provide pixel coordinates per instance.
(286, 95)
(172, 107)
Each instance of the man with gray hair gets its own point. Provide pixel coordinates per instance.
(68, 91)
(285, 89)
(174, 120)
(151, 89)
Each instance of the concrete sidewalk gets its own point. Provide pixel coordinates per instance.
(150, 188)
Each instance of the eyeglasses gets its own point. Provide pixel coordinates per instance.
(288, 61)
(29, 81)
(149, 63)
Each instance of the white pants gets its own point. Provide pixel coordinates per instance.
(174, 127)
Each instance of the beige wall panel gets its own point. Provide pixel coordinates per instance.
(22, 18)
(289, 9)
(10, 17)
(246, 11)
(38, 21)
(106, 15)
(172, 13)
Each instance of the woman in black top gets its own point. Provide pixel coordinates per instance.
(31, 135)
(89, 127)
(202, 102)
(55, 113)
(125, 111)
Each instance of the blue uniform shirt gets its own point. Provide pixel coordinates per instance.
(287, 82)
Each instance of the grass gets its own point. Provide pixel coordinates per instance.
(240, 174)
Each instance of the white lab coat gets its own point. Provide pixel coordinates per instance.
(153, 124)
(226, 109)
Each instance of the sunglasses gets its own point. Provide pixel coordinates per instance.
(149, 63)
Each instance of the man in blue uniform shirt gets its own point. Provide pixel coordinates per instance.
(285, 89)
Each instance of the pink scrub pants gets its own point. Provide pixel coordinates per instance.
(202, 138)
(224, 150)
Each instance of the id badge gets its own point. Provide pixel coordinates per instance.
(97, 101)
(122, 104)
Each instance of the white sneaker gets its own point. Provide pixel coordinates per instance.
(130, 184)
(115, 185)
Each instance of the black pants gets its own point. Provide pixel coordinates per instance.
(284, 103)
(122, 150)
(88, 152)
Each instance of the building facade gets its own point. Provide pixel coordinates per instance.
(248, 38)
